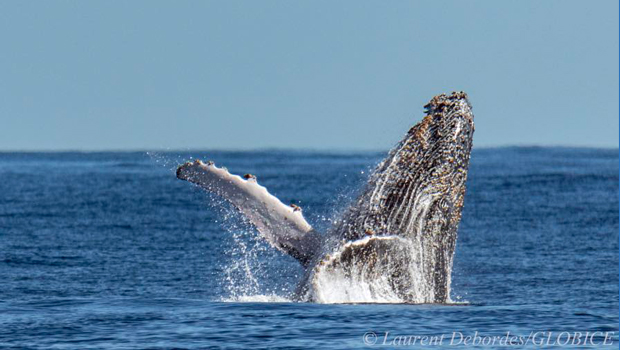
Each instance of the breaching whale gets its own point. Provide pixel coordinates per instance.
(396, 242)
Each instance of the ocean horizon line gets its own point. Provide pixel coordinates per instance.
(283, 149)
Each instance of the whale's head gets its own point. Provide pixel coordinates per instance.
(424, 175)
(450, 120)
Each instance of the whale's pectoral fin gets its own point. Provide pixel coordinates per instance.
(284, 227)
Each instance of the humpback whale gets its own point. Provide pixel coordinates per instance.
(396, 242)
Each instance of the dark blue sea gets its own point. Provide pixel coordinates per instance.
(111, 251)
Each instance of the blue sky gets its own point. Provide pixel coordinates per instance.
(329, 75)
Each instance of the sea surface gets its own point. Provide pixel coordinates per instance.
(111, 251)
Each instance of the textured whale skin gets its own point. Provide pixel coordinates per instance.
(417, 193)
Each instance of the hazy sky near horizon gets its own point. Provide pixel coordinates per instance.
(93, 75)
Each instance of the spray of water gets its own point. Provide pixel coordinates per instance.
(252, 269)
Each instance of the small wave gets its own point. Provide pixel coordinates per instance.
(259, 298)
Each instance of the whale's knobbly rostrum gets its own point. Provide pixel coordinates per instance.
(396, 242)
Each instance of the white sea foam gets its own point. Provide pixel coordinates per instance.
(342, 278)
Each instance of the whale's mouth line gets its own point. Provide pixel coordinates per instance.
(395, 243)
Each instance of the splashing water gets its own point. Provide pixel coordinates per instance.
(252, 267)
(250, 264)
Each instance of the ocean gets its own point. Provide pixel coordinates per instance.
(110, 251)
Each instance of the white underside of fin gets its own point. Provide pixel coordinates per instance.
(283, 226)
